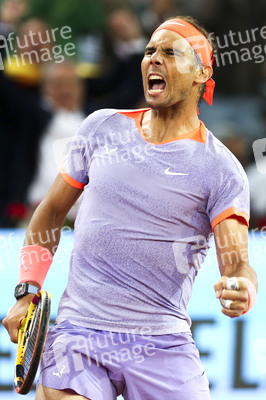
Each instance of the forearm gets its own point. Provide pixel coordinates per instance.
(240, 269)
(231, 239)
(45, 228)
(43, 233)
(41, 241)
(40, 244)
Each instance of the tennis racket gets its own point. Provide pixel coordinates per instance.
(31, 339)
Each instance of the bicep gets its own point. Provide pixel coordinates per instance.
(231, 239)
(51, 212)
(61, 197)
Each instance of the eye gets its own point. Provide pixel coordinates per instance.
(173, 53)
(169, 52)
(149, 52)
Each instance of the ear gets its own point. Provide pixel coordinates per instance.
(204, 74)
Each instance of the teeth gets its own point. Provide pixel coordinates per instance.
(156, 90)
(156, 77)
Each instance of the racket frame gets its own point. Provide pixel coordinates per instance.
(42, 300)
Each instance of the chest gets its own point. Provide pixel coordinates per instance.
(165, 180)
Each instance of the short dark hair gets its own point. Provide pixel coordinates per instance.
(213, 43)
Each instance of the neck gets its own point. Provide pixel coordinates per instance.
(163, 125)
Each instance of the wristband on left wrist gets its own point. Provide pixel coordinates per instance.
(35, 262)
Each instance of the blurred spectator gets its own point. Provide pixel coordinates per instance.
(126, 32)
(121, 83)
(239, 146)
(26, 114)
(156, 12)
(53, 120)
(21, 124)
(22, 118)
(83, 16)
(234, 137)
(63, 91)
(24, 66)
(12, 11)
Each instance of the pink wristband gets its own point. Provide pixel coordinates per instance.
(35, 262)
(252, 292)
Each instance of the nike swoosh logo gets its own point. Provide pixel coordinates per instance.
(168, 172)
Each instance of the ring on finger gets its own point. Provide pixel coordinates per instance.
(232, 283)
(227, 303)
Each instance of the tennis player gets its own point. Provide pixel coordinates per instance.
(157, 186)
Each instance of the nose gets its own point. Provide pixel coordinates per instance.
(156, 58)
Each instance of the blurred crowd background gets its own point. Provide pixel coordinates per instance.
(63, 59)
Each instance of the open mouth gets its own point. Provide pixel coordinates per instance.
(156, 84)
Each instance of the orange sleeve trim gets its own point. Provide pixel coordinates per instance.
(230, 212)
(71, 181)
